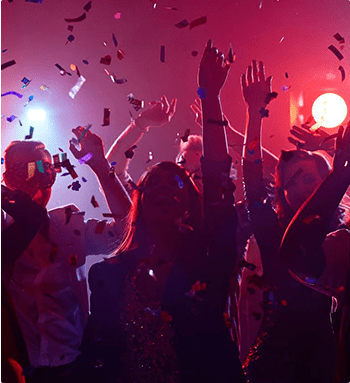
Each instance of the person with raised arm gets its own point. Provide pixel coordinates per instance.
(295, 342)
(319, 259)
(47, 283)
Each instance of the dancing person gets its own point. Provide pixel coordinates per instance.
(157, 306)
(319, 259)
(295, 342)
(46, 283)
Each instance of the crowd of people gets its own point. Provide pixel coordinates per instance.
(164, 301)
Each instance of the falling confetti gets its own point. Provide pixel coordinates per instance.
(137, 104)
(162, 53)
(115, 42)
(30, 135)
(80, 18)
(182, 24)
(120, 54)
(76, 87)
(106, 115)
(94, 202)
(333, 49)
(106, 60)
(339, 38)
(117, 15)
(197, 22)
(8, 64)
(87, 6)
(12, 92)
(342, 71)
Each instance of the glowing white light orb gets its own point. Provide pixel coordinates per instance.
(329, 110)
(36, 114)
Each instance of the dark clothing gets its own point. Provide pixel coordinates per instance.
(295, 343)
(201, 340)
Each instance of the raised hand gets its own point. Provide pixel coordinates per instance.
(213, 70)
(318, 140)
(341, 162)
(89, 143)
(159, 114)
(255, 87)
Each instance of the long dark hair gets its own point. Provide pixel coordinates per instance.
(135, 232)
(284, 212)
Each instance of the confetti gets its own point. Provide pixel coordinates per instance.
(162, 53)
(281, 39)
(106, 60)
(100, 226)
(76, 87)
(83, 179)
(184, 138)
(31, 97)
(11, 118)
(150, 157)
(44, 87)
(179, 181)
(120, 54)
(61, 150)
(270, 96)
(336, 52)
(40, 167)
(342, 71)
(117, 15)
(202, 93)
(264, 112)
(70, 28)
(231, 56)
(31, 170)
(171, 8)
(115, 42)
(80, 18)
(87, 6)
(260, 5)
(25, 80)
(339, 38)
(62, 70)
(4, 50)
(130, 152)
(286, 75)
(2, 161)
(285, 88)
(94, 202)
(12, 92)
(182, 24)
(85, 62)
(70, 168)
(106, 115)
(116, 80)
(137, 104)
(197, 22)
(76, 186)
(85, 158)
(34, 1)
(57, 163)
(194, 53)
(8, 64)
(70, 38)
(113, 163)
(104, 43)
(109, 215)
(30, 135)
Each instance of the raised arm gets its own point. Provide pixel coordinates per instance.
(158, 114)
(117, 198)
(302, 241)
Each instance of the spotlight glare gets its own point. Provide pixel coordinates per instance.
(36, 114)
(329, 110)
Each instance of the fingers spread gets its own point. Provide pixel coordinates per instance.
(255, 71)
(261, 71)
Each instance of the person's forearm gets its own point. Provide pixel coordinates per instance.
(214, 136)
(252, 143)
(129, 137)
(116, 196)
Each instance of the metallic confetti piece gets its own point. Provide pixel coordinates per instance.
(162, 53)
(137, 104)
(31, 170)
(150, 157)
(130, 152)
(8, 64)
(12, 92)
(202, 93)
(44, 87)
(109, 215)
(171, 8)
(184, 138)
(106, 115)
(120, 54)
(106, 60)
(333, 49)
(34, 1)
(85, 62)
(85, 158)
(260, 5)
(281, 39)
(30, 135)
(4, 50)
(70, 38)
(87, 6)
(115, 42)
(40, 167)
(76, 87)
(70, 28)
(25, 80)
(94, 202)
(80, 18)
(117, 80)
(113, 163)
(76, 186)
(105, 43)
(117, 15)
(57, 163)
(73, 67)
(286, 75)
(197, 22)
(64, 157)
(182, 24)
(83, 179)
(11, 118)
(285, 88)
(339, 38)
(2, 161)
(342, 71)
(194, 53)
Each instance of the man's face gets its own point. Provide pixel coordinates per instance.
(37, 190)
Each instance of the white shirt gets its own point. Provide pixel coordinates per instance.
(48, 286)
